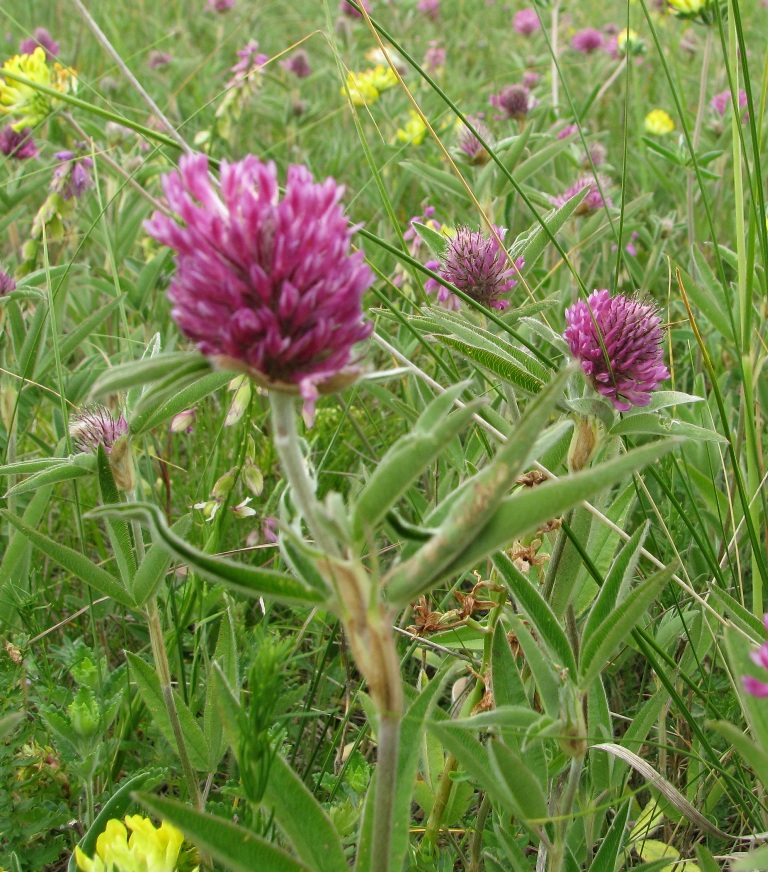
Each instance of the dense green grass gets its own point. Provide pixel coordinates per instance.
(81, 707)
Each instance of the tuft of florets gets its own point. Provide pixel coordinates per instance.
(595, 198)
(479, 266)
(95, 425)
(587, 41)
(265, 285)
(514, 101)
(470, 145)
(43, 39)
(618, 342)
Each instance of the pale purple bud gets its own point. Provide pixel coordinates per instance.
(71, 178)
(595, 198)
(587, 41)
(468, 143)
(298, 64)
(434, 58)
(7, 284)
(618, 342)
(526, 22)
(43, 39)
(220, 5)
(94, 426)
(159, 59)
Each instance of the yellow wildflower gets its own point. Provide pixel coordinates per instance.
(382, 78)
(659, 123)
(688, 7)
(414, 130)
(29, 105)
(147, 848)
(628, 42)
(360, 88)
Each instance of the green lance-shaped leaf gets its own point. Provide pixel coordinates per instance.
(151, 412)
(538, 611)
(73, 561)
(235, 848)
(407, 459)
(616, 582)
(27, 467)
(149, 369)
(755, 757)
(226, 664)
(65, 469)
(479, 501)
(599, 646)
(115, 807)
(741, 664)
(152, 695)
(117, 528)
(19, 545)
(8, 724)
(547, 683)
(72, 341)
(529, 509)
(607, 857)
(152, 569)
(530, 245)
(435, 240)
(497, 363)
(655, 425)
(523, 794)
(302, 819)
(244, 579)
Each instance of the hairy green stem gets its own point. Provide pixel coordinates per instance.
(386, 788)
(286, 438)
(475, 860)
(565, 810)
(162, 667)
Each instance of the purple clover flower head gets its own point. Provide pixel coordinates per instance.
(43, 39)
(18, 144)
(349, 10)
(567, 131)
(530, 78)
(220, 5)
(434, 58)
(594, 200)
(298, 64)
(720, 102)
(429, 8)
(71, 178)
(514, 101)
(94, 426)
(479, 266)
(265, 285)
(470, 145)
(618, 342)
(159, 60)
(753, 686)
(526, 22)
(7, 284)
(587, 41)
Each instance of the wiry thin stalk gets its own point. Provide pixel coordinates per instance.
(697, 131)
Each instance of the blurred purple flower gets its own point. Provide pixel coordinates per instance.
(594, 200)
(530, 77)
(18, 144)
(298, 64)
(470, 145)
(43, 39)
(618, 341)
(587, 41)
(434, 58)
(349, 10)
(430, 8)
(71, 178)
(526, 21)
(479, 266)
(159, 59)
(515, 101)
(567, 131)
(753, 686)
(93, 426)
(265, 285)
(7, 284)
(720, 102)
(251, 60)
(220, 5)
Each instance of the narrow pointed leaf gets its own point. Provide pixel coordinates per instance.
(117, 528)
(235, 848)
(147, 370)
(247, 580)
(524, 794)
(73, 561)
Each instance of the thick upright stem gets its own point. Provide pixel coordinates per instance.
(386, 787)
(162, 667)
(286, 439)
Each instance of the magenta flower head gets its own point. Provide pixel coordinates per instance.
(479, 266)
(514, 101)
(526, 22)
(587, 41)
(43, 39)
(265, 285)
(18, 144)
(94, 426)
(71, 178)
(618, 341)
(430, 8)
(434, 57)
(470, 145)
(753, 686)
(220, 5)
(7, 284)
(349, 10)
(298, 64)
(720, 102)
(595, 198)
